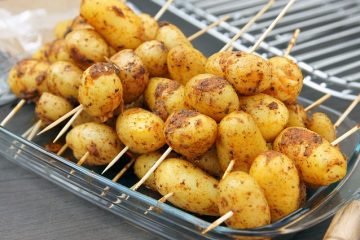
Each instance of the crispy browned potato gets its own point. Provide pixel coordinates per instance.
(115, 21)
(28, 78)
(154, 56)
(297, 116)
(132, 72)
(239, 139)
(62, 28)
(193, 189)
(190, 133)
(171, 35)
(185, 62)
(150, 25)
(319, 162)
(217, 62)
(322, 124)
(101, 91)
(286, 81)
(58, 51)
(209, 162)
(98, 139)
(211, 95)
(240, 193)
(164, 96)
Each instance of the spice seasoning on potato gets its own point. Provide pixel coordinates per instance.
(297, 116)
(321, 124)
(150, 26)
(171, 35)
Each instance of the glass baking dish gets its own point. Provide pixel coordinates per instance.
(167, 220)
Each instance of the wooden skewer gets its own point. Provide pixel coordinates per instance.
(152, 169)
(204, 30)
(317, 102)
(247, 26)
(13, 112)
(68, 124)
(272, 25)
(161, 200)
(27, 132)
(347, 111)
(345, 135)
(81, 161)
(228, 169)
(35, 130)
(62, 149)
(123, 151)
(219, 221)
(162, 10)
(292, 42)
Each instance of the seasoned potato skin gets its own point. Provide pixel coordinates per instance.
(217, 62)
(62, 28)
(79, 23)
(286, 81)
(98, 139)
(193, 189)
(211, 95)
(132, 72)
(140, 130)
(171, 35)
(58, 51)
(64, 80)
(142, 165)
(28, 78)
(249, 74)
(239, 139)
(153, 54)
(164, 96)
(115, 21)
(42, 53)
(51, 107)
(297, 116)
(209, 162)
(269, 113)
(319, 163)
(190, 133)
(150, 26)
(101, 91)
(86, 47)
(278, 177)
(322, 125)
(185, 62)
(240, 193)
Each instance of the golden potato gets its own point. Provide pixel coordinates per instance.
(248, 73)
(142, 165)
(279, 179)
(51, 107)
(209, 162)
(98, 139)
(132, 72)
(286, 81)
(58, 51)
(86, 47)
(239, 139)
(217, 62)
(269, 113)
(62, 28)
(239, 192)
(164, 96)
(193, 189)
(185, 62)
(64, 80)
(101, 91)
(190, 133)
(171, 35)
(115, 21)
(153, 54)
(82, 118)
(297, 116)
(80, 23)
(150, 25)
(140, 130)
(319, 163)
(211, 95)
(28, 78)
(322, 125)
(42, 53)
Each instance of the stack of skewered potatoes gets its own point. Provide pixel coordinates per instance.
(233, 107)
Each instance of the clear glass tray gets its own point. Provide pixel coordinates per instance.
(167, 220)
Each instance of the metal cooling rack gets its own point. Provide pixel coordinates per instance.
(328, 47)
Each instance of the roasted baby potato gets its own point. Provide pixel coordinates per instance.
(185, 62)
(42, 53)
(80, 23)
(239, 139)
(164, 96)
(132, 72)
(279, 179)
(319, 162)
(82, 118)
(193, 189)
(64, 80)
(171, 35)
(62, 28)
(58, 51)
(142, 165)
(140, 130)
(286, 81)
(209, 162)
(322, 125)
(297, 116)
(190, 133)
(211, 95)
(28, 78)
(98, 139)
(101, 91)
(217, 62)
(51, 107)
(269, 113)
(150, 25)
(115, 21)
(153, 54)
(239, 192)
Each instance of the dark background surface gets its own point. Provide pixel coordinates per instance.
(33, 208)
